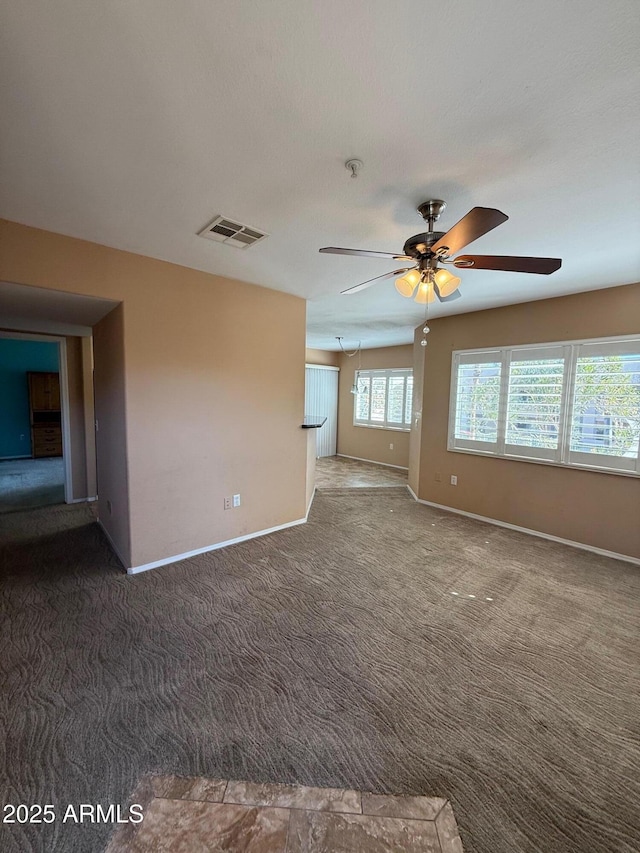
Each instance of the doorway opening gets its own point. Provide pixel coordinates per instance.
(35, 464)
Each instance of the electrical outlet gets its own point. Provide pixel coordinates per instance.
(438, 477)
(236, 500)
(391, 447)
(227, 503)
(454, 480)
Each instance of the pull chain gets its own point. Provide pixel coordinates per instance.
(425, 328)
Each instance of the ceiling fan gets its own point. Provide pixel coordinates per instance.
(431, 248)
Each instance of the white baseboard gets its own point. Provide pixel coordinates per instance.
(613, 554)
(175, 559)
(372, 461)
(15, 458)
(112, 543)
(82, 500)
(313, 494)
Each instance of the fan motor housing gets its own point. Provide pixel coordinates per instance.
(419, 246)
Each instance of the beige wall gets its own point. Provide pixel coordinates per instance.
(213, 385)
(602, 510)
(368, 442)
(111, 435)
(321, 356)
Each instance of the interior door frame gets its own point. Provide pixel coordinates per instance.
(65, 413)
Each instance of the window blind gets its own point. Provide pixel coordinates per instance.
(574, 403)
(384, 398)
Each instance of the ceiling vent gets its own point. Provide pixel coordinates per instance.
(224, 230)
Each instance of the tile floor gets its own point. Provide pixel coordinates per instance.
(338, 472)
(197, 815)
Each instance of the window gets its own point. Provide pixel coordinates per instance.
(477, 400)
(574, 404)
(384, 399)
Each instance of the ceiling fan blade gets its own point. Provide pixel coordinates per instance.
(479, 221)
(450, 298)
(363, 253)
(371, 281)
(541, 266)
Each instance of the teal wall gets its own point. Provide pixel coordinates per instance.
(16, 359)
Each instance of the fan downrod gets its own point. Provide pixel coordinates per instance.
(431, 210)
(419, 246)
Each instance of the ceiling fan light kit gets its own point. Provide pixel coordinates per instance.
(425, 294)
(447, 283)
(408, 283)
(427, 250)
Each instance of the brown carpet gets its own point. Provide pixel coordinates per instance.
(331, 654)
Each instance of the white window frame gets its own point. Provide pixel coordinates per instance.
(386, 373)
(563, 456)
(485, 356)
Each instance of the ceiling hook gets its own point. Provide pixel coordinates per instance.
(354, 166)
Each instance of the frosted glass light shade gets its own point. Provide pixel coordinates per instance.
(425, 293)
(447, 283)
(407, 284)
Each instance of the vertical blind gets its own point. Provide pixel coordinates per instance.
(321, 399)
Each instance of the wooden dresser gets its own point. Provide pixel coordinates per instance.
(45, 414)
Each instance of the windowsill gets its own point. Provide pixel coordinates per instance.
(528, 459)
(388, 428)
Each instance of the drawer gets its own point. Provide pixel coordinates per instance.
(54, 449)
(46, 440)
(45, 435)
(49, 430)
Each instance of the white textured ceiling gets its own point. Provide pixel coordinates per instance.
(38, 309)
(133, 123)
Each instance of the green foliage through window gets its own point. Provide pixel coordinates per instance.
(384, 398)
(572, 404)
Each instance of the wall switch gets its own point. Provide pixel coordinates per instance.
(391, 447)
(22, 436)
(454, 480)
(236, 500)
(438, 477)
(227, 503)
